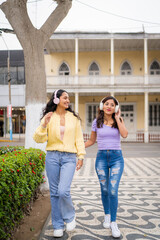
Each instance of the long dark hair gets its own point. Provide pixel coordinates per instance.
(51, 106)
(100, 117)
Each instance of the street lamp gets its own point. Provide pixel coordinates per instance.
(9, 107)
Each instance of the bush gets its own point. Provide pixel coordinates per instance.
(20, 176)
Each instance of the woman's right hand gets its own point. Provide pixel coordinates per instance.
(47, 118)
(92, 139)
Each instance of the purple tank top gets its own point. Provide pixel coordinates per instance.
(108, 138)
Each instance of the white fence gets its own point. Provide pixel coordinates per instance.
(133, 137)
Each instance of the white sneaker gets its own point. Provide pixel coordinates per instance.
(58, 232)
(107, 221)
(71, 225)
(115, 231)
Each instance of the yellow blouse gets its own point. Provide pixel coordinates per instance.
(73, 137)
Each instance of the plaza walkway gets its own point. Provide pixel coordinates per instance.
(139, 198)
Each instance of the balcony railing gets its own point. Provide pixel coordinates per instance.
(81, 80)
(101, 80)
(154, 79)
(129, 80)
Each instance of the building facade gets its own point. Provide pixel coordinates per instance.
(92, 65)
(12, 62)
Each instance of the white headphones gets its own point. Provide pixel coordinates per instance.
(56, 100)
(101, 104)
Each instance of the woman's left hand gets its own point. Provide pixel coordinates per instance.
(79, 164)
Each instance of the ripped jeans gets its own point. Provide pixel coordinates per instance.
(109, 167)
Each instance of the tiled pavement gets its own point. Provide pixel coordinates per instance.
(139, 203)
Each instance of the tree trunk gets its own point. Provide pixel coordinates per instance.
(35, 94)
(35, 89)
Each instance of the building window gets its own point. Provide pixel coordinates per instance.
(93, 69)
(127, 108)
(92, 113)
(3, 75)
(64, 69)
(16, 75)
(155, 68)
(126, 69)
(150, 115)
(18, 120)
(92, 110)
(154, 115)
(129, 115)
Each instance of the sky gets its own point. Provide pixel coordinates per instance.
(91, 15)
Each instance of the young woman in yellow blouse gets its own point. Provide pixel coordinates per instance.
(61, 128)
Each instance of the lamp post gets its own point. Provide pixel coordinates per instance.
(9, 107)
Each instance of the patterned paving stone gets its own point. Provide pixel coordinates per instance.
(139, 203)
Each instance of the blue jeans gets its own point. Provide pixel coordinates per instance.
(109, 168)
(60, 168)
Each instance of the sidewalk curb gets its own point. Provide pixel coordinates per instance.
(7, 140)
(44, 227)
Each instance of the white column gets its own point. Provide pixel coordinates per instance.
(76, 61)
(146, 106)
(112, 61)
(76, 102)
(146, 61)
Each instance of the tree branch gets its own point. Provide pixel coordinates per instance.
(55, 19)
(17, 15)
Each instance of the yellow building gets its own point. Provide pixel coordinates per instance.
(92, 65)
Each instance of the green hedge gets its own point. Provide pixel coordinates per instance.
(20, 175)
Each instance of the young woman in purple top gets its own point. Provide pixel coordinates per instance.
(107, 129)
